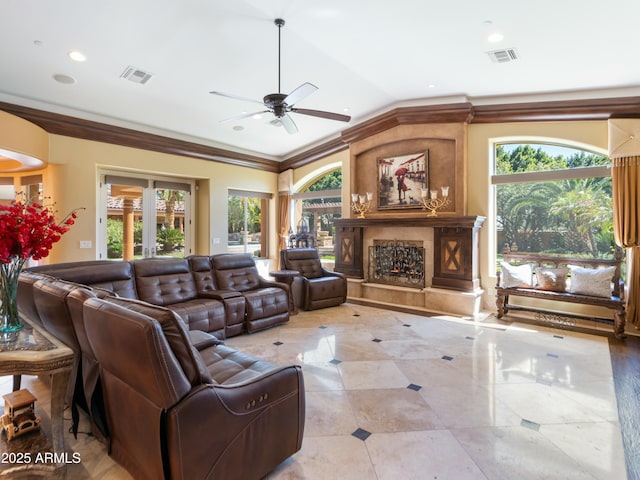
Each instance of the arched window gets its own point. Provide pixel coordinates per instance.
(317, 206)
(552, 199)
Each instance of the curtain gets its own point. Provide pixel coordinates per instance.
(624, 152)
(625, 176)
(283, 220)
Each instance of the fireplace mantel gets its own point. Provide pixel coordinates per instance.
(455, 253)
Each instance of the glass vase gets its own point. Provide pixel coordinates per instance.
(9, 275)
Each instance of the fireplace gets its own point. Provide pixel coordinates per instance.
(393, 262)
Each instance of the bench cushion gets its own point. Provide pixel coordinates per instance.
(591, 281)
(517, 275)
(552, 279)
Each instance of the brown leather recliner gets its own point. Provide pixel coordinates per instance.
(267, 302)
(177, 413)
(315, 287)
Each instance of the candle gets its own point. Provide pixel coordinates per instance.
(434, 194)
(369, 196)
(362, 199)
(423, 193)
(445, 191)
(354, 197)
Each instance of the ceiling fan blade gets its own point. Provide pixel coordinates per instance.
(300, 93)
(236, 97)
(288, 124)
(321, 114)
(243, 116)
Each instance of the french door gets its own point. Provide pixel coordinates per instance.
(143, 216)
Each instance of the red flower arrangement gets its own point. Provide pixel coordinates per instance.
(27, 230)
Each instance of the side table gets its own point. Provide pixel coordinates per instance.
(33, 351)
(287, 276)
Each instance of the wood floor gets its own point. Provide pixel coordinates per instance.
(625, 361)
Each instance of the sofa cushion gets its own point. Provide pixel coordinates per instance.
(203, 314)
(228, 366)
(202, 273)
(116, 276)
(176, 335)
(304, 260)
(236, 272)
(164, 281)
(325, 287)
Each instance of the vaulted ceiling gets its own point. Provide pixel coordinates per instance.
(365, 57)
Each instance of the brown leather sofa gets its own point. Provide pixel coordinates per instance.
(315, 287)
(224, 304)
(184, 414)
(186, 406)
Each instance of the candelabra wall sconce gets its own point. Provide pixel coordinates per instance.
(361, 203)
(431, 202)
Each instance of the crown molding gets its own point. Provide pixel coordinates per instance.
(59, 124)
(448, 113)
(466, 112)
(562, 110)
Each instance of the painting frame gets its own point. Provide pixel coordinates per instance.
(401, 179)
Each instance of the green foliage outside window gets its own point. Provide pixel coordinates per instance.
(570, 216)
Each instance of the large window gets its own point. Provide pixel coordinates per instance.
(247, 222)
(552, 199)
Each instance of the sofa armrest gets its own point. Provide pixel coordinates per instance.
(221, 295)
(201, 448)
(269, 283)
(329, 273)
(202, 340)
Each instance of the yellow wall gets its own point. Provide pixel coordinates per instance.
(589, 135)
(72, 181)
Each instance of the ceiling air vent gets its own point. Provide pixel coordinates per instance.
(503, 56)
(136, 75)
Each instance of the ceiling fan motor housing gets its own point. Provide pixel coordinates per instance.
(275, 102)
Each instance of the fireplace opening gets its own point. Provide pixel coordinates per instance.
(397, 262)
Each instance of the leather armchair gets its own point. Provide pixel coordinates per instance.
(267, 302)
(315, 287)
(184, 414)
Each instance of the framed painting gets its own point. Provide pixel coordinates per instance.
(401, 180)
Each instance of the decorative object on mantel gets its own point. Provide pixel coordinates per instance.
(431, 202)
(28, 230)
(361, 203)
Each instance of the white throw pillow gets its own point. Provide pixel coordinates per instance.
(591, 281)
(516, 276)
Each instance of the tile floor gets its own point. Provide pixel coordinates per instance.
(399, 396)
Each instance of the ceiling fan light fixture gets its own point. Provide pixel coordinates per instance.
(281, 104)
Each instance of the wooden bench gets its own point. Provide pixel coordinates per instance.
(614, 302)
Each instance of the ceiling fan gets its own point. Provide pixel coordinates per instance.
(281, 104)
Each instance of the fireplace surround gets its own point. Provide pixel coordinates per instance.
(451, 252)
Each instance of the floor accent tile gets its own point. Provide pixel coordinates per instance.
(361, 434)
(530, 425)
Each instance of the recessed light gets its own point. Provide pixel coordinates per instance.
(66, 79)
(257, 116)
(495, 37)
(77, 55)
(431, 85)
(238, 128)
